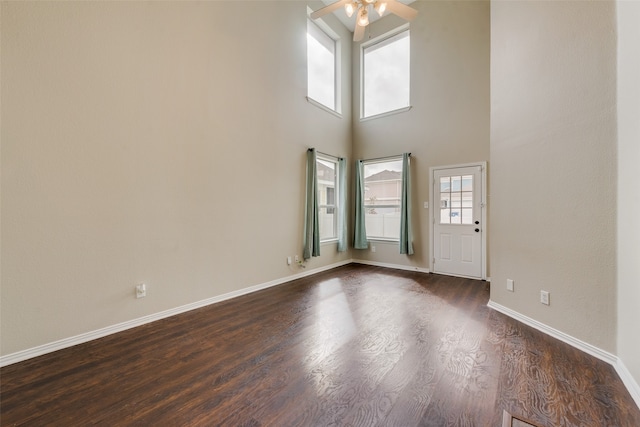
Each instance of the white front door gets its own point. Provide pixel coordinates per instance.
(458, 219)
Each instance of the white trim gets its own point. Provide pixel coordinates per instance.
(395, 266)
(323, 107)
(459, 165)
(383, 239)
(329, 241)
(572, 341)
(459, 275)
(386, 113)
(627, 379)
(22, 355)
(485, 218)
(382, 37)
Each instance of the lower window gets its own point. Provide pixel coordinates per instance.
(327, 170)
(382, 195)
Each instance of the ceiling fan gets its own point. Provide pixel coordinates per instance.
(362, 8)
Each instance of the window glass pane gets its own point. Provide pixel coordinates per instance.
(467, 216)
(386, 75)
(327, 215)
(326, 223)
(445, 184)
(445, 200)
(455, 216)
(382, 194)
(467, 199)
(321, 66)
(455, 200)
(326, 170)
(456, 183)
(445, 216)
(467, 183)
(331, 199)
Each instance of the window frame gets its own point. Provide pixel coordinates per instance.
(336, 197)
(320, 27)
(367, 206)
(382, 40)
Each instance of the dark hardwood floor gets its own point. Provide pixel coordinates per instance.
(354, 346)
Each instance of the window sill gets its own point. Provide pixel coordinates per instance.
(323, 107)
(388, 113)
(328, 241)
(382, 240)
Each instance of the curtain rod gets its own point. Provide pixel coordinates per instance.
(381, 158)
(325, 154)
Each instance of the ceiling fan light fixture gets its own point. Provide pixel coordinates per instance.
(363, 17)
(380, 7)
(349, 8)
(361, 9)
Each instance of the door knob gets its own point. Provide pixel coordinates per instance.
(477, 222)
(477, 230)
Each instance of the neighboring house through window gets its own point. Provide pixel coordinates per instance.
(382, 195)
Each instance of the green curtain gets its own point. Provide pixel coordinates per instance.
(360, 232)
(406, 233)
(311, 238)
(342, 205)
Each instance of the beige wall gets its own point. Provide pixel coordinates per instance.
(449, 119)
(144, 142)
(629, 186)
(553, 164)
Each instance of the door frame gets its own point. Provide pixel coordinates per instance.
(483, 212)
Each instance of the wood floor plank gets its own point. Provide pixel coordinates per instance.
(357, 346)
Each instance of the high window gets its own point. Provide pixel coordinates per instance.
(382, 195)
(321, 66)
(385, 74)
(327, 170)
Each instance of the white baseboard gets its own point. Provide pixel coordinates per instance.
(627, 379)
(395, 266)
(575, 342)
(99, 333)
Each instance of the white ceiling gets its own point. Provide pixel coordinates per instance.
(350, 23)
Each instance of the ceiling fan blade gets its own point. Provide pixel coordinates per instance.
(328, 9)
(401, 9)
(358, 33)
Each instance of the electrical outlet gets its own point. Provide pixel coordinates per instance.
(297, 258)
(544, 297)
(141, 290)
(289, 260)
(373, 248)
(510, 285)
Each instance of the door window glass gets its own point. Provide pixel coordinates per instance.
(456, 199)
